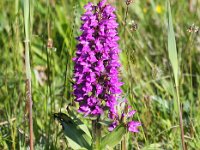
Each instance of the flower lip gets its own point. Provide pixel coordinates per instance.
(131, 113)
(133, 126)
(112, 126)
(88, 7)
(102, 3)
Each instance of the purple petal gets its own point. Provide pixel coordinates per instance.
(112, 126)
(133, 126)
(131, 113)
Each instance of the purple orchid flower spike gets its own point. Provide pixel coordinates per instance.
(97, 86)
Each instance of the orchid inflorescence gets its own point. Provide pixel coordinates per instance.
(97, 86)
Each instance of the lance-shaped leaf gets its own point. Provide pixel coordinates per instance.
(172, 51)
(80, 124)
(114, 137)
(77, 138)
(154, 146)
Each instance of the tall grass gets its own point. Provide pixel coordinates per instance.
(28, 69)
(172, 51)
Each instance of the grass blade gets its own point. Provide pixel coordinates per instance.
(28, 69)
(172, 51)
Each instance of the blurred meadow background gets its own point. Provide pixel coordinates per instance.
(146, 70)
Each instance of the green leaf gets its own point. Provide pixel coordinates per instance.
(80, 124)
(77, 138)
(114, 137)
(105, 122)
(172, 51)
(27, 18)
(154, 146)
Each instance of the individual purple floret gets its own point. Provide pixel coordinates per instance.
(133, 126)
(97, 86)
(112, 126)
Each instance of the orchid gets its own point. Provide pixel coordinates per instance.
(97, 86)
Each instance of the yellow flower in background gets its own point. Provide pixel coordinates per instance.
(159, 9)
(145, 10)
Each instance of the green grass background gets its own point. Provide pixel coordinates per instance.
(146, 71)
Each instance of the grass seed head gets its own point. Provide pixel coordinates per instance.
(128, 2)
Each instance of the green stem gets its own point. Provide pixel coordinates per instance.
(180, 118)
(123, 143)
(28, 68)
(96, 133)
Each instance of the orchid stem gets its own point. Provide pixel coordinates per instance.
(123, 143)
(96, 133)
